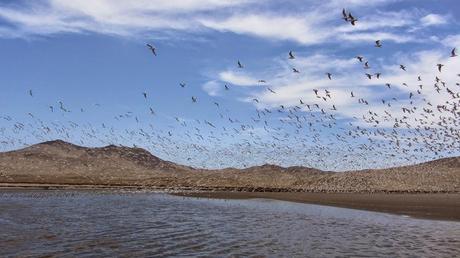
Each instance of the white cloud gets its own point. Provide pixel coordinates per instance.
(452, 41)
(239, 79)
(300, 29)
(312, 24)
(373, 36)
(213, 88)
(125, 18)
(433, 19)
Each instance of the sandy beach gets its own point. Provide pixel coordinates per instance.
(427, 206)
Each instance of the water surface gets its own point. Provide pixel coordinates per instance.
(69, 223)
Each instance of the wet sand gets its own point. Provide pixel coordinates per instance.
(427, 206)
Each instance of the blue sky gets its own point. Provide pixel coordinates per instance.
(91, 56)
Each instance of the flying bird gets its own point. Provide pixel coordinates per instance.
(329, 75)
(439, 67)
(295, 70)
(152, 48)
(453, 54)
(182, 84)
(402, 67)
(352, 19)
(345, 15)
(239, 64)
(366, 65)
(377, 43)
(291, 55)
(272, 91)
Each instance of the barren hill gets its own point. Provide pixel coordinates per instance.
(59, 162)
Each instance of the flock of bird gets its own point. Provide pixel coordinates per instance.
(309, 134)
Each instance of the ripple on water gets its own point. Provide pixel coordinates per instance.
(37, 223)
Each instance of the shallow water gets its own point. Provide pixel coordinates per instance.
(88, 223)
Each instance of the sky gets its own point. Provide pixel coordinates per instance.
(78, 71)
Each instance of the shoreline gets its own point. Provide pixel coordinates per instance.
(436, 206)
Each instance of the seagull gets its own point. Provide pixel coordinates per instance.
(360, 58)
(329, 75)
(145, 94)
(272, 91)
(352, 95)
(377, 43)
(152, 48)
(226, 87)
(256, 100)
(352, 19)
(295, 70)
(262, 81)
(453, 54)
(402, 67)
(291, 55)
(30, 93)
(439, 67)
(182, 84)
(193, 99)
(239, 64)
(345, 15)
(369, 76)
(366, 65)
(378, 75)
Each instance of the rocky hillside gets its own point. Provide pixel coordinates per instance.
(59, 162)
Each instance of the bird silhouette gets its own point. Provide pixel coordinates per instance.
(152, 48)
(439, 67)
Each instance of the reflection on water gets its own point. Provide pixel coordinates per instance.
(35, 223)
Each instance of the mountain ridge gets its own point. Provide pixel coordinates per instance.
(60, 162)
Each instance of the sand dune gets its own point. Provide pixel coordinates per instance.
(59, 162)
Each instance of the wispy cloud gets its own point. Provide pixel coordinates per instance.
(301, 29)
(237, 78)
(213, 88)
(317, 23)
(433, 19)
